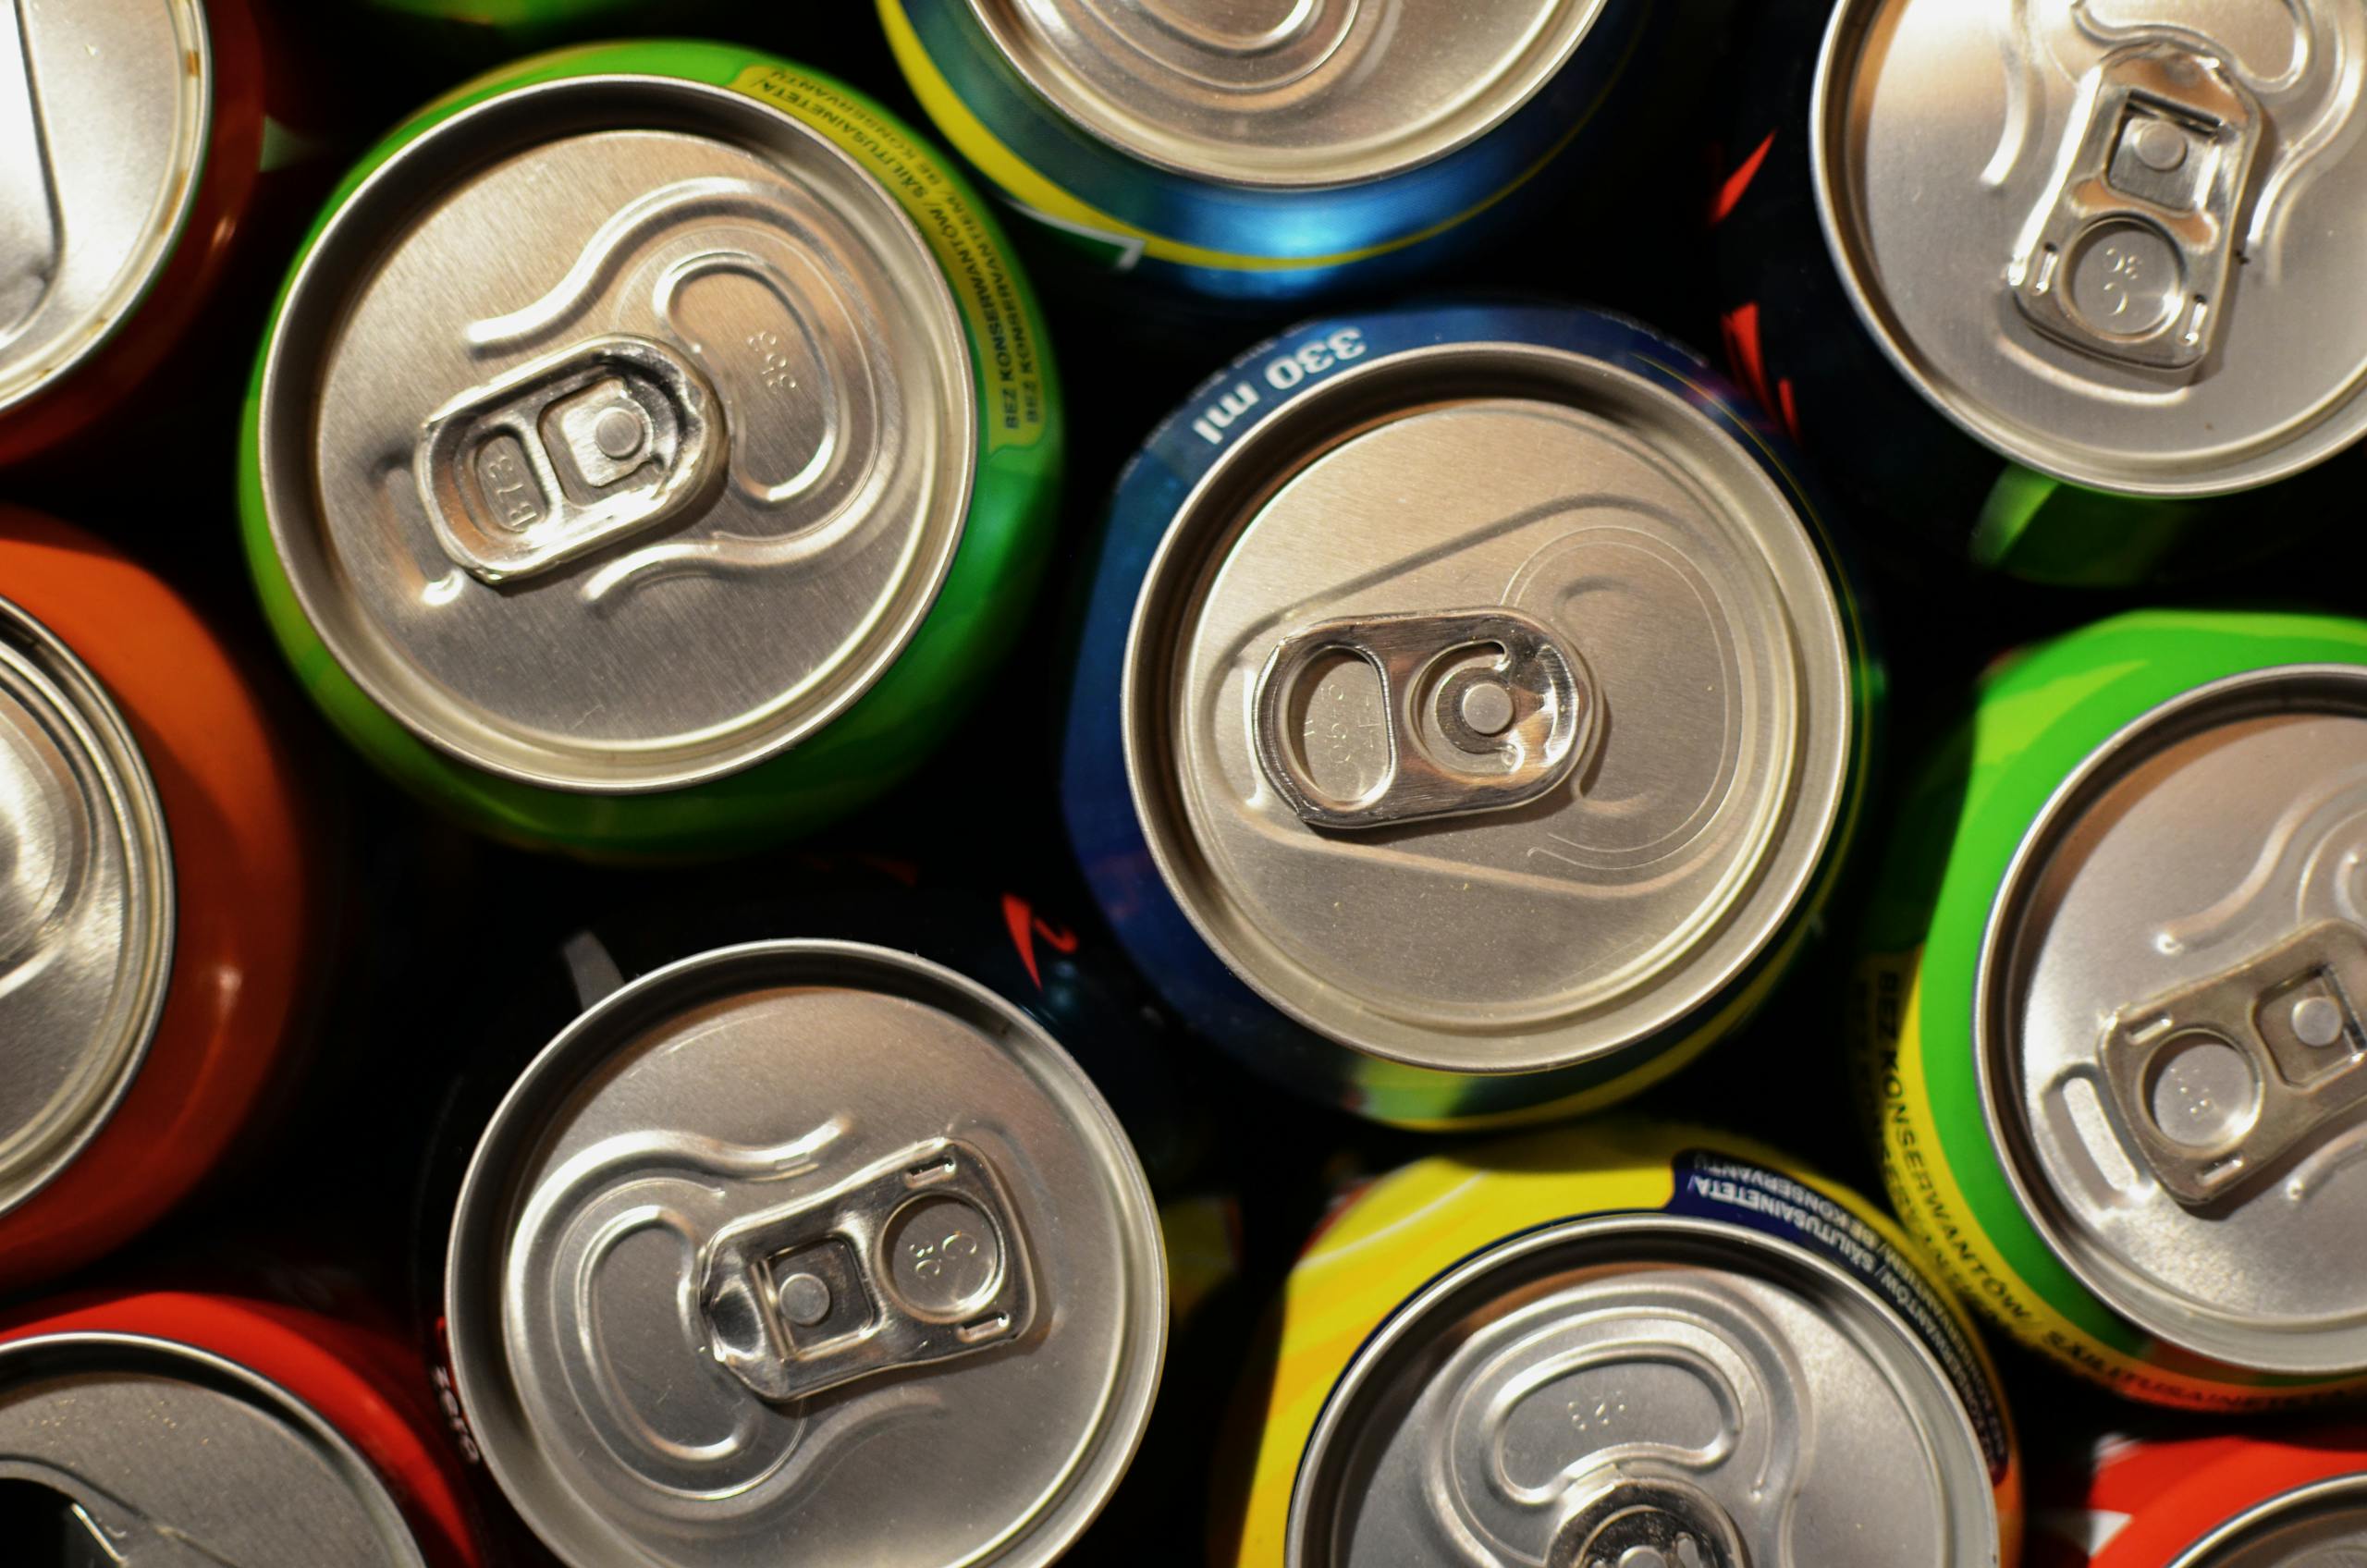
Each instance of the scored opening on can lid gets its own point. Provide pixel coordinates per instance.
(2119, 244)
(613, 459)
(119, 1448)
(86, 906)
(2307, 1527)
(105, 110)
(1488, 709)
(1635, 1390)
(806, 1246)
(2173, 1044)
(1303, 93)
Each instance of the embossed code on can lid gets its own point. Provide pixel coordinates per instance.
(118, 1449)
(614, 459)
(2322, 1526)
(2174, 1045)
(763, 1220)
(105, 106)
(1286, 93)
(86, 906)
(1630, 1391)
(2116, 240)
(1492, 713)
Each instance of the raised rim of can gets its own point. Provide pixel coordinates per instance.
(2335, 1490)
(1236, 482)
(163, 238)
(514, 120)
(1850, 21)
(2249, 693)
(479, 1369)
(74, 1350)
(1663, 1237)
(98, 729)
(1051, 81)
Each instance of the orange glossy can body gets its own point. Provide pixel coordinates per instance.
(224, 212)
(2148, 1503)
(359, 1379)
(245, 903)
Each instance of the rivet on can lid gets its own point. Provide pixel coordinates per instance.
(105, 110)
(86, 906)
(618, 434)
(1296, 94)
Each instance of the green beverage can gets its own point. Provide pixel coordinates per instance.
(652, 451)
(2116, 1007)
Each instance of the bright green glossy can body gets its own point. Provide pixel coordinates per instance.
(2071, 776)
(974, 509)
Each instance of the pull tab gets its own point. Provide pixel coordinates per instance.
(915, 1260)
(28, 203)
(85, 1528)
(1464, 735)
(1648, 1522)
(2128, 256)
(2221, 1078)
(568, 454)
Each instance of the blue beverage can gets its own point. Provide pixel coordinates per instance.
(1470, 711)
(1258, 156)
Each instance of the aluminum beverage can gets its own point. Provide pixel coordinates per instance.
(174, 1426)
(652, 452)
(1622, 1344)
(137, 129)
(2109, 252)
(1470, 711)
(2117, 1083)
(1249, 157)
(157, 910)
(758, 1212)
(2281, 1498)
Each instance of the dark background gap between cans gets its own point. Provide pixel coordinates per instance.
(430, 916)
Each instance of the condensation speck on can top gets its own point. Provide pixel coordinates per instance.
(2118, 247)
(105, 110)
(2172, 1047)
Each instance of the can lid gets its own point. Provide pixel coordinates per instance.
(613, 459)
(105, 110)
(2173, 1047)
(122, 1449)
(2320, 1526)
(764, 1210)
(86, 906)
(2118, 244)
(1635, 1390)
(1285, 93)
(1488, 708)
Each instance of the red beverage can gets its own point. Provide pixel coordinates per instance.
(136, 129)
(2295, 1498)
(173, 1427)
(156, 908)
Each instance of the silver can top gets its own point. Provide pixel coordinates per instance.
(617, 459)
(2115, 239)
(104, 111)
(759, 1213)
(1489, 709)
(1634, 1391)
(86, 906)
(1286, 93)
(116, 1449)
(2321, 1525)
(2174, 1045)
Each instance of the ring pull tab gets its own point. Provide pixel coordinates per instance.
(1648, 1522)
(2219, 1079)
(28, 193)
(86, 1525)
(2129, 255)
(1464, 735)
(916, 1259)
(567, 455)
